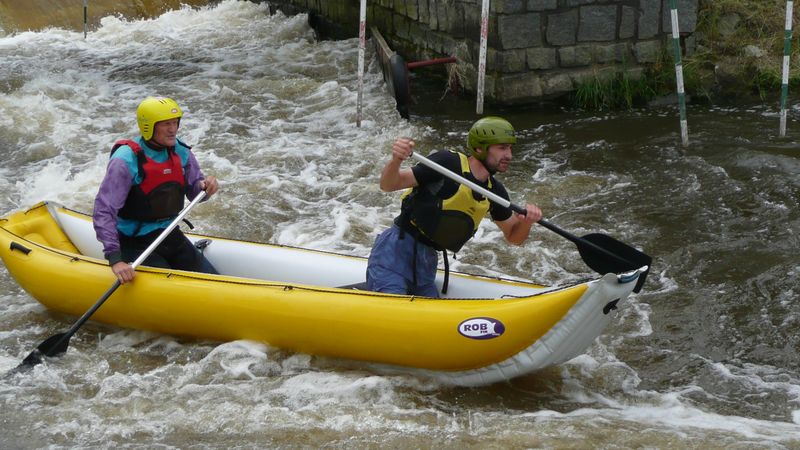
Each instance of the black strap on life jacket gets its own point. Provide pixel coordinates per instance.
(412, 289)
(403, 221)
(446, 272)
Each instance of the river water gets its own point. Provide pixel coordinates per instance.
(706, 356)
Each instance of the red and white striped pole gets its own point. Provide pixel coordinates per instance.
(362, 31)
(482, 55)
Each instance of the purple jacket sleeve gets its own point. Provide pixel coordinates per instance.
(109, 200)
(193, 176)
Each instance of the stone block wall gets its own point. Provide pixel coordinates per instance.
(537, 49)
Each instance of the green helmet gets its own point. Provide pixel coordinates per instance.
(153, 110)
(487, 131)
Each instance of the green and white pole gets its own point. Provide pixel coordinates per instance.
(787, 50)
(673, 4)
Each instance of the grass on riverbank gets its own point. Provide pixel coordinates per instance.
(735, 53)
(621, 91)
(743, 40)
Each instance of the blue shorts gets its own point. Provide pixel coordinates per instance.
(390, 266)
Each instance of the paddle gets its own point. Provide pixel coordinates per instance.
(600, 252)
(57, 344)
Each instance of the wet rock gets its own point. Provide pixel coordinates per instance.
(731, 80)
(667, 100)
(728, 24)
(753, 51)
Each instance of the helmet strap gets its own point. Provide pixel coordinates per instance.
(488, 169)
(155, 145)
(485, 154)
(483, 162)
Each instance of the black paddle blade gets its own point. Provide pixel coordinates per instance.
(52, 346)
(610, 255)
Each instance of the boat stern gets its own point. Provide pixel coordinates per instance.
(568, 338)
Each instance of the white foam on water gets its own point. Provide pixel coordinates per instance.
(674, 417)
(53, 182)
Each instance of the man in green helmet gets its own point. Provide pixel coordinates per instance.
(439, 214)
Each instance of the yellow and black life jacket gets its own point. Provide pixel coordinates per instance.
(443, 223)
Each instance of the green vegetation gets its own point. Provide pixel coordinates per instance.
(621, 91)
(736, 53)
(631, 88)
(742, 40)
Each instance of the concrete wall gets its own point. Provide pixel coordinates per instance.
(537, 49)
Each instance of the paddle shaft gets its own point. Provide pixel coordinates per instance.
(52, 347)
(506, 203)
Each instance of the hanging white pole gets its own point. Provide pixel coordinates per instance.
(787, 50)
(362, 31)
(85, 17)
(679, 72)
(482, 55)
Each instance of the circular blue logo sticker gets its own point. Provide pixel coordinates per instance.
(481, 328)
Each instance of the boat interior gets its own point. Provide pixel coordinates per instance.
(259, 261)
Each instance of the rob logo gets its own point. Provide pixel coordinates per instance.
(481, 328)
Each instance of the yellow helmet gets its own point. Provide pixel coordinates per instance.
(153, 110)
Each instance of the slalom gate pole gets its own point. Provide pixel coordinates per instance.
(482, 55)
(787, 50)
(362, 31)
(679, 72)
(85, 17)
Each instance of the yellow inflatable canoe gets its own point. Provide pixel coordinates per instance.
(483, 331)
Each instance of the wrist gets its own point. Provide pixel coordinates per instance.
(114, 257)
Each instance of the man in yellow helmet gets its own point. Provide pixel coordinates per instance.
(143, 191)
(439, 214)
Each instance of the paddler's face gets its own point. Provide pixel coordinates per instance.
(165, 132)
(499, 157)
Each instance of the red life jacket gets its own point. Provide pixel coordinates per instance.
(160, 193)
